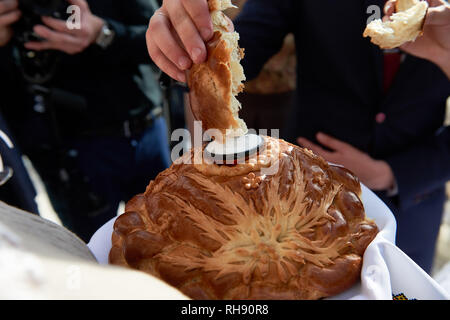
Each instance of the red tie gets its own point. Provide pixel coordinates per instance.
(392, 60)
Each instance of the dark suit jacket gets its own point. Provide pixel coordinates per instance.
(340, 93)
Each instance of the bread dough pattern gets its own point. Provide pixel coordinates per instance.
(297, 234)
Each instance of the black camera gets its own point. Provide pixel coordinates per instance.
(37, 67)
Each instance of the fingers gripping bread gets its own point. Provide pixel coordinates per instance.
(215, 83)
(403, 26)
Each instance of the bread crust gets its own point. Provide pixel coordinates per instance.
(403, 5)
(219, 5)
(210, 87)
(297, 234)
(212, 84)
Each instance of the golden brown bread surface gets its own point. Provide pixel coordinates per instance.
(214, 84)
(232, 232)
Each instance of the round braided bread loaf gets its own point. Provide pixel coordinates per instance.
(235, 232)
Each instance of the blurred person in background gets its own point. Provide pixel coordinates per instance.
(16, 187)
(378, 113)
(83, 103)
(267, 99)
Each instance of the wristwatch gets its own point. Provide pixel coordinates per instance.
(106, 36)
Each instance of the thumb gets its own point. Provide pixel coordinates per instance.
(389, 8)
(439, 16)
(435, 3)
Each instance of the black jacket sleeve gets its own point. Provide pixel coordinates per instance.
(422, 168)
(129, 45)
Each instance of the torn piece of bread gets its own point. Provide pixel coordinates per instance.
(214, 84)
(220, 5)
(403, 5)
(404, 25)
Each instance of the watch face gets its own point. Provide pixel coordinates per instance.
(106, 37)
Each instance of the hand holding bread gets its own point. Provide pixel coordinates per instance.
(404, 25)
(197, 36)
(177, 34)
(434, 44)
(420, 28)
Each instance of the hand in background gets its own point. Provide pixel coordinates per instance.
(375, 174)
(57, 36)
(176, 35)
(9, 14)
(434, 44)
